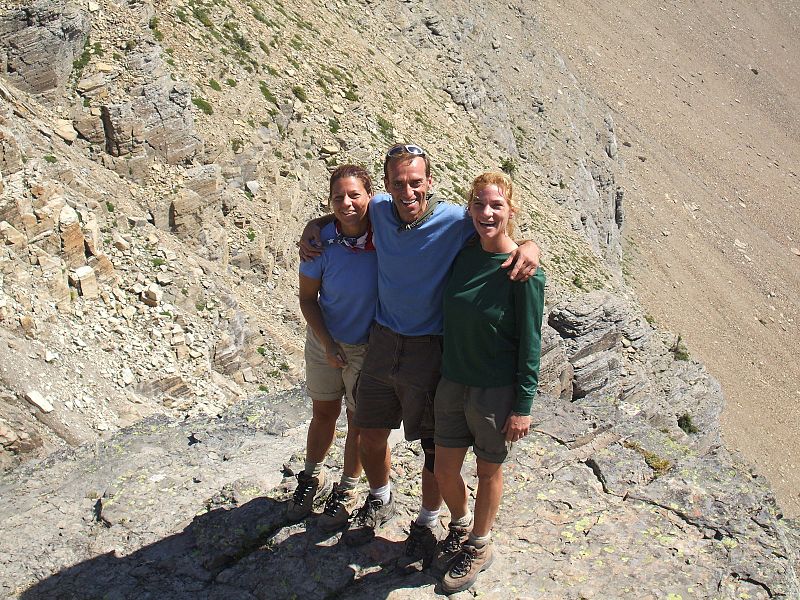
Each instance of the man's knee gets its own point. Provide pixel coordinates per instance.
(374, 438)
(429, 448)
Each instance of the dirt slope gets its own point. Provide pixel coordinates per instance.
(704, 95)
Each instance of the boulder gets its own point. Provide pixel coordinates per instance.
(40, 42)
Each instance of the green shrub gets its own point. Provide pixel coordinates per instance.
(266, 93)
(508, 166)
(334, 125)
(214, 85)
(230, 82)
(386, 127)
(685, 423)
(50, 158)
(203, 105)
(110, 206)
(299, 93)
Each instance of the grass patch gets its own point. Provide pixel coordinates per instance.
(230, 82)
(201, 15)
(203, 105)
(334, 125)
(153, 24)
(214, 85)
(157, 262)
(679, 350)
(50, 158)
(659, 465)
(267, 93)
(237, 145)
(685, 423)
(386, 127)
(508, 166)
(299, 93)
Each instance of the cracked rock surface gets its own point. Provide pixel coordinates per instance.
(608, 498)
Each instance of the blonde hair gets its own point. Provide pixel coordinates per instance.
(504, 185)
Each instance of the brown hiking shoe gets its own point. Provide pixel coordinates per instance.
(420, 547)
(310, 491)
(372, 514)
(338, 508)
(466, 567)
(449, 548)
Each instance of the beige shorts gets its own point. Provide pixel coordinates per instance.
(473, 416)
(325, 382)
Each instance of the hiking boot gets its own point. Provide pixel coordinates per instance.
(449, 548)
(338, 508)
(309, 492)
(419, 548)
(466, 567)
(369, 517)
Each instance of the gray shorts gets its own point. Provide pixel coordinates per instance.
(473, 416)
(398, 382)
(325, 382)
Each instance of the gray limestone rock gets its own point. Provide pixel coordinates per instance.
(38, 43)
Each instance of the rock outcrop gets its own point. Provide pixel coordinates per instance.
(41, 42)
(603, 500)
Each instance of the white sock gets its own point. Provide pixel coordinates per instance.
(464, 521)
(348, 483)
(382, 493)
(427, 518)
(479, 542)
(313, 469)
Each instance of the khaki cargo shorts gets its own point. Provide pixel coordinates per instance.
(325, 382)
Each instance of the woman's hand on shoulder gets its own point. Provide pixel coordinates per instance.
(523, 261)
(516, 427)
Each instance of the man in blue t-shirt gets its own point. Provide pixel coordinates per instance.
(416, 236)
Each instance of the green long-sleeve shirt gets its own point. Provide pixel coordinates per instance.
(493, 326)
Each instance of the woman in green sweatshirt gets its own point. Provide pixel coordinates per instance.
(490, 372)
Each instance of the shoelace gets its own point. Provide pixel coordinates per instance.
(335, 500)
(367, 511)
(302, 491)
(464, 563)
(452, 542)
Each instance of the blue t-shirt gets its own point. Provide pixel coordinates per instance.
(413, 265)
(348, 287)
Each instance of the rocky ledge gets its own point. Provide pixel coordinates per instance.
(622, 491)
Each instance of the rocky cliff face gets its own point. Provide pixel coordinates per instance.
(155, 173)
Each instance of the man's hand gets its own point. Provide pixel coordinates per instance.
(516, 427)
(525, 260)
(335, 356)
(310, 245)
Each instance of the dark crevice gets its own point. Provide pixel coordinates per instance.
(598, 473)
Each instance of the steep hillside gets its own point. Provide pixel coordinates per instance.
(157, 178)
(708, 118)
(158, 161)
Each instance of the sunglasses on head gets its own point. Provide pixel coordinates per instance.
(405, 149)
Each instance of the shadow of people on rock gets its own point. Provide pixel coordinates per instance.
(244, 553)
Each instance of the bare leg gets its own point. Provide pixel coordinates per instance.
(451, 484)
(431, 497)
(375, 456)
(487, 500)
(352, 459)
(322, 429)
